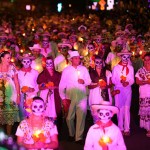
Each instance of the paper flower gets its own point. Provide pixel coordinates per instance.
(102, 83)
(24, 89)
(123, 78)
(49, 84)
(38, 135)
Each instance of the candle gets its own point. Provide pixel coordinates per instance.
(21, 51)
(80, 39)
(102, 82)
(37, 132)
(105, 140)
(140, 52)
(12, 60)
(133, 53)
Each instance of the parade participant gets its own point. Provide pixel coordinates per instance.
(37, 131)
(27, 78)
(37, 62)
(72, 86)
(48, 81)
(101, 81)
(101, 135)
(123, 78)
(10, 92)
(61, 61)
(143, 80)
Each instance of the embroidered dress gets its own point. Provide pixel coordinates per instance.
(144, 101)
(26, 131)
(8, 108)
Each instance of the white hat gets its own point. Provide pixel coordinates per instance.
(35, 46)
(27, 56)
(124, 52)
(73, 54)
(104, 105)
(82, 26)
(66, 43)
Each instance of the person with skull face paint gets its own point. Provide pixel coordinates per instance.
(27, 78)
(123, 78)
(37, 131)
(61, 61)
(50, 93)
(74, 80)
(104, 134)
(99, 92)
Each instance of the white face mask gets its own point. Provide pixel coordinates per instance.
(105, 115)
(49, 64)
(98, 63)
(26, 63)
(38, 107)
(125, 58)
(90, 47)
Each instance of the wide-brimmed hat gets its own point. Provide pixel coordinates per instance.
(35, 46)
(73, 54)
(27, 56)
(65, 43)
(104, 105)
(124, 52)
(82, 26)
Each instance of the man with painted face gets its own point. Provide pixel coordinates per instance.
(37, 131)
(27, 78)
(61, 61)
(104, 134)
(123, 78)
(48, 81)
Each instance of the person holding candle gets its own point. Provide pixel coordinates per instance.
(143, 80)
(36, 131)
(123, 78)
(104, 134)
(9, 93)
(74, 80)
(101, 82)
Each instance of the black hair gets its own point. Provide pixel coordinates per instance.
(37, 98)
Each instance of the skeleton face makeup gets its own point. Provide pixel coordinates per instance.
(45, 42)
(104, 115)
(49, 64)
(125, 58)
(98, 63)
(38, 107)
(90, 47)
(26, 62)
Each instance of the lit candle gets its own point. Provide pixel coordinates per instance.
(140, 52)
(24, 34)
(102, 82)
(106, 139)
(37, 132)
(12, 60)
(80, 39)
(21, 51)
(133, 53)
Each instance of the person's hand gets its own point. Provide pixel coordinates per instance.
(125, 84)
(39, 145)
(80, 81)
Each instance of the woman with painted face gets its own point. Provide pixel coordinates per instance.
(37, 131)
(48, 81)
(143, 80)
(123, 78)
(101, 82)
(27, 78)
(9, 93)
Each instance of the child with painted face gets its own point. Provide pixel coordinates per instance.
(37, 132)
(104, 134)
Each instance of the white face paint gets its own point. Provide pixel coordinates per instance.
(45, 42)
(49, 64)
(90, 47)
(125, 58)
(98, 63)
(105, 115)
(38, 107)
(26, 63)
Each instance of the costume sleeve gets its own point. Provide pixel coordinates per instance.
(115, 76)
(63, 84)
(19, 131)
(87, 78)
(130, 78)
(89, 143)
(120, 144)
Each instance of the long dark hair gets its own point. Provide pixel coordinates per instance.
(2, 54)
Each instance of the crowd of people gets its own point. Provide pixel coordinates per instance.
(59, 66)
